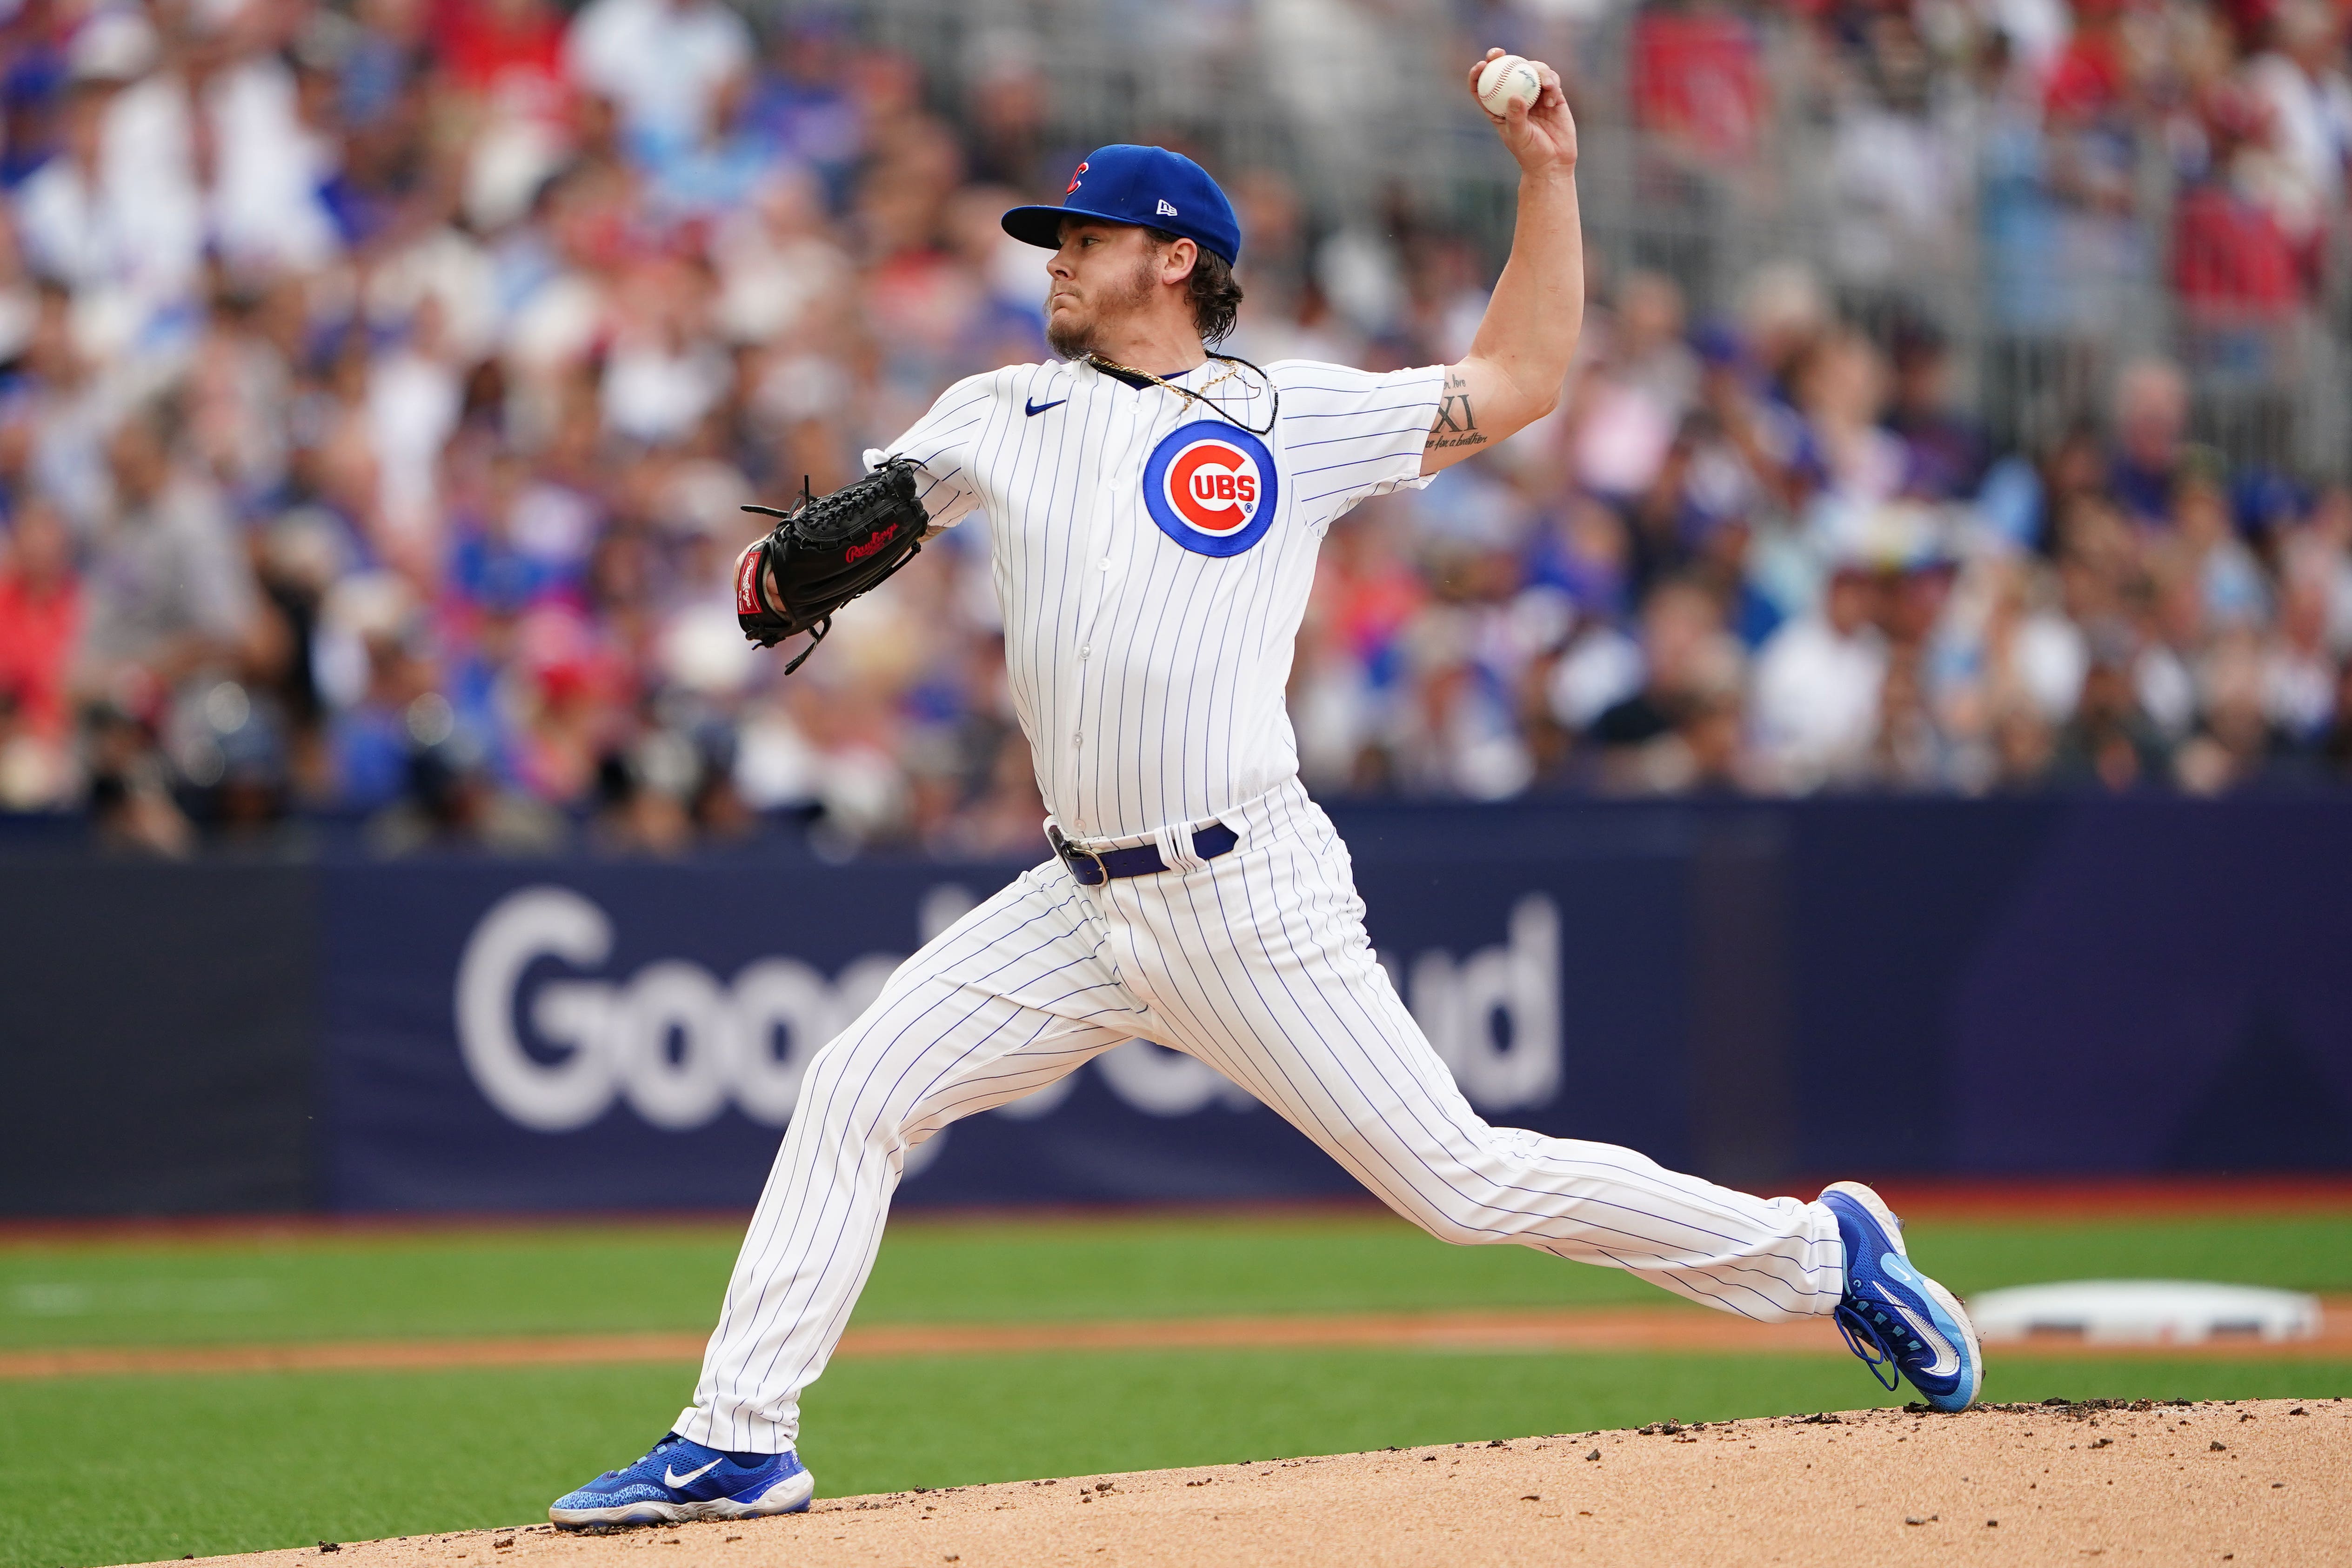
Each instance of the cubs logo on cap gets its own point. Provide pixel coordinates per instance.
(1211, 487)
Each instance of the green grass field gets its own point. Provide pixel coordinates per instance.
(131, 1468)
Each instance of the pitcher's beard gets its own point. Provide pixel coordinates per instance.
(1072, 342)
(1080, 339)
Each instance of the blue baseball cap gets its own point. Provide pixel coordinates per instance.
(1152, 186)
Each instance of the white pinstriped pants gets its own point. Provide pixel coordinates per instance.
(1255, 963)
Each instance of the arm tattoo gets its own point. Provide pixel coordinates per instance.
(1456, 424)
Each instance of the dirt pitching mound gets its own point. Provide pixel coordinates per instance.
(2251, 1483)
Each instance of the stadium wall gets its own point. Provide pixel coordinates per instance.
(1760, 993)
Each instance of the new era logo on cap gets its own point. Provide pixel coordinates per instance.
(1165, 210)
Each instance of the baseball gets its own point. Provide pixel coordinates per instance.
(1507, 80)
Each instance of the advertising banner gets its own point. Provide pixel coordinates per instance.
(159, 1032)
(2022, 987)
(598, 1036)
(1764, 995)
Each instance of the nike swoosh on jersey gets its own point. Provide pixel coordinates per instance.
(1034, 409)
(1947, 1360)
(673, 1481)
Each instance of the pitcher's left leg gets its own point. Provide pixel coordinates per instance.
(1257, 964)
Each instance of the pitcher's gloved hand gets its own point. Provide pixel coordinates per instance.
(825, 552)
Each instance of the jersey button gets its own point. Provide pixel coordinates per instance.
(1085, 650)
(1077, 741)
(1103, 565)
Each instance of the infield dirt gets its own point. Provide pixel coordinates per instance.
(2247, 1482)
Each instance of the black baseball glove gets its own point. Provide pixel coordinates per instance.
(825, 552)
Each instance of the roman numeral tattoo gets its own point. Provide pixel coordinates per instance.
(1457, 423)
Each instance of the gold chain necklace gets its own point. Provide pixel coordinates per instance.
(1234, 366)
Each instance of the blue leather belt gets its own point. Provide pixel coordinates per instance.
(1093, 870)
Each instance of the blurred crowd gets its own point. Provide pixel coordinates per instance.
(2197, 147)
(382, 382)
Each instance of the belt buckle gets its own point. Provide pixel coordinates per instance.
(1071, 855)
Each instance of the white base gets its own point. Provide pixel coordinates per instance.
(2146, 1311)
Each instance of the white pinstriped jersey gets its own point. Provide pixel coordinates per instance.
(1153, 561)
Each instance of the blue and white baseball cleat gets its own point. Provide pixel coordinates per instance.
(1896, 1318)
(680, 1481)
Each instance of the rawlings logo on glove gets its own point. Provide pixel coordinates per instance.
(859, 552)
(823, 553)
(747, 582)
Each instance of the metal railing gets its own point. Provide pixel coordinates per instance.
(1355, 100)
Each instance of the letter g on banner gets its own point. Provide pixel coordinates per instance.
(674, 1041)
(536, 923)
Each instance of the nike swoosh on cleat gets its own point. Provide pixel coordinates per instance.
(1034, 409)
(673, 1481)
(1947, 1360)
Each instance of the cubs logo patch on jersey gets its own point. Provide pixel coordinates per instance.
(1211, 487)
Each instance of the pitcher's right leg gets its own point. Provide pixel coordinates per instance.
(1011, 998)
(1257, 964)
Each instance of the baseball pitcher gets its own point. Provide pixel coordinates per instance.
(1155, 508)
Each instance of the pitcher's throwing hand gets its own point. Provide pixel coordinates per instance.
(1541, 135)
